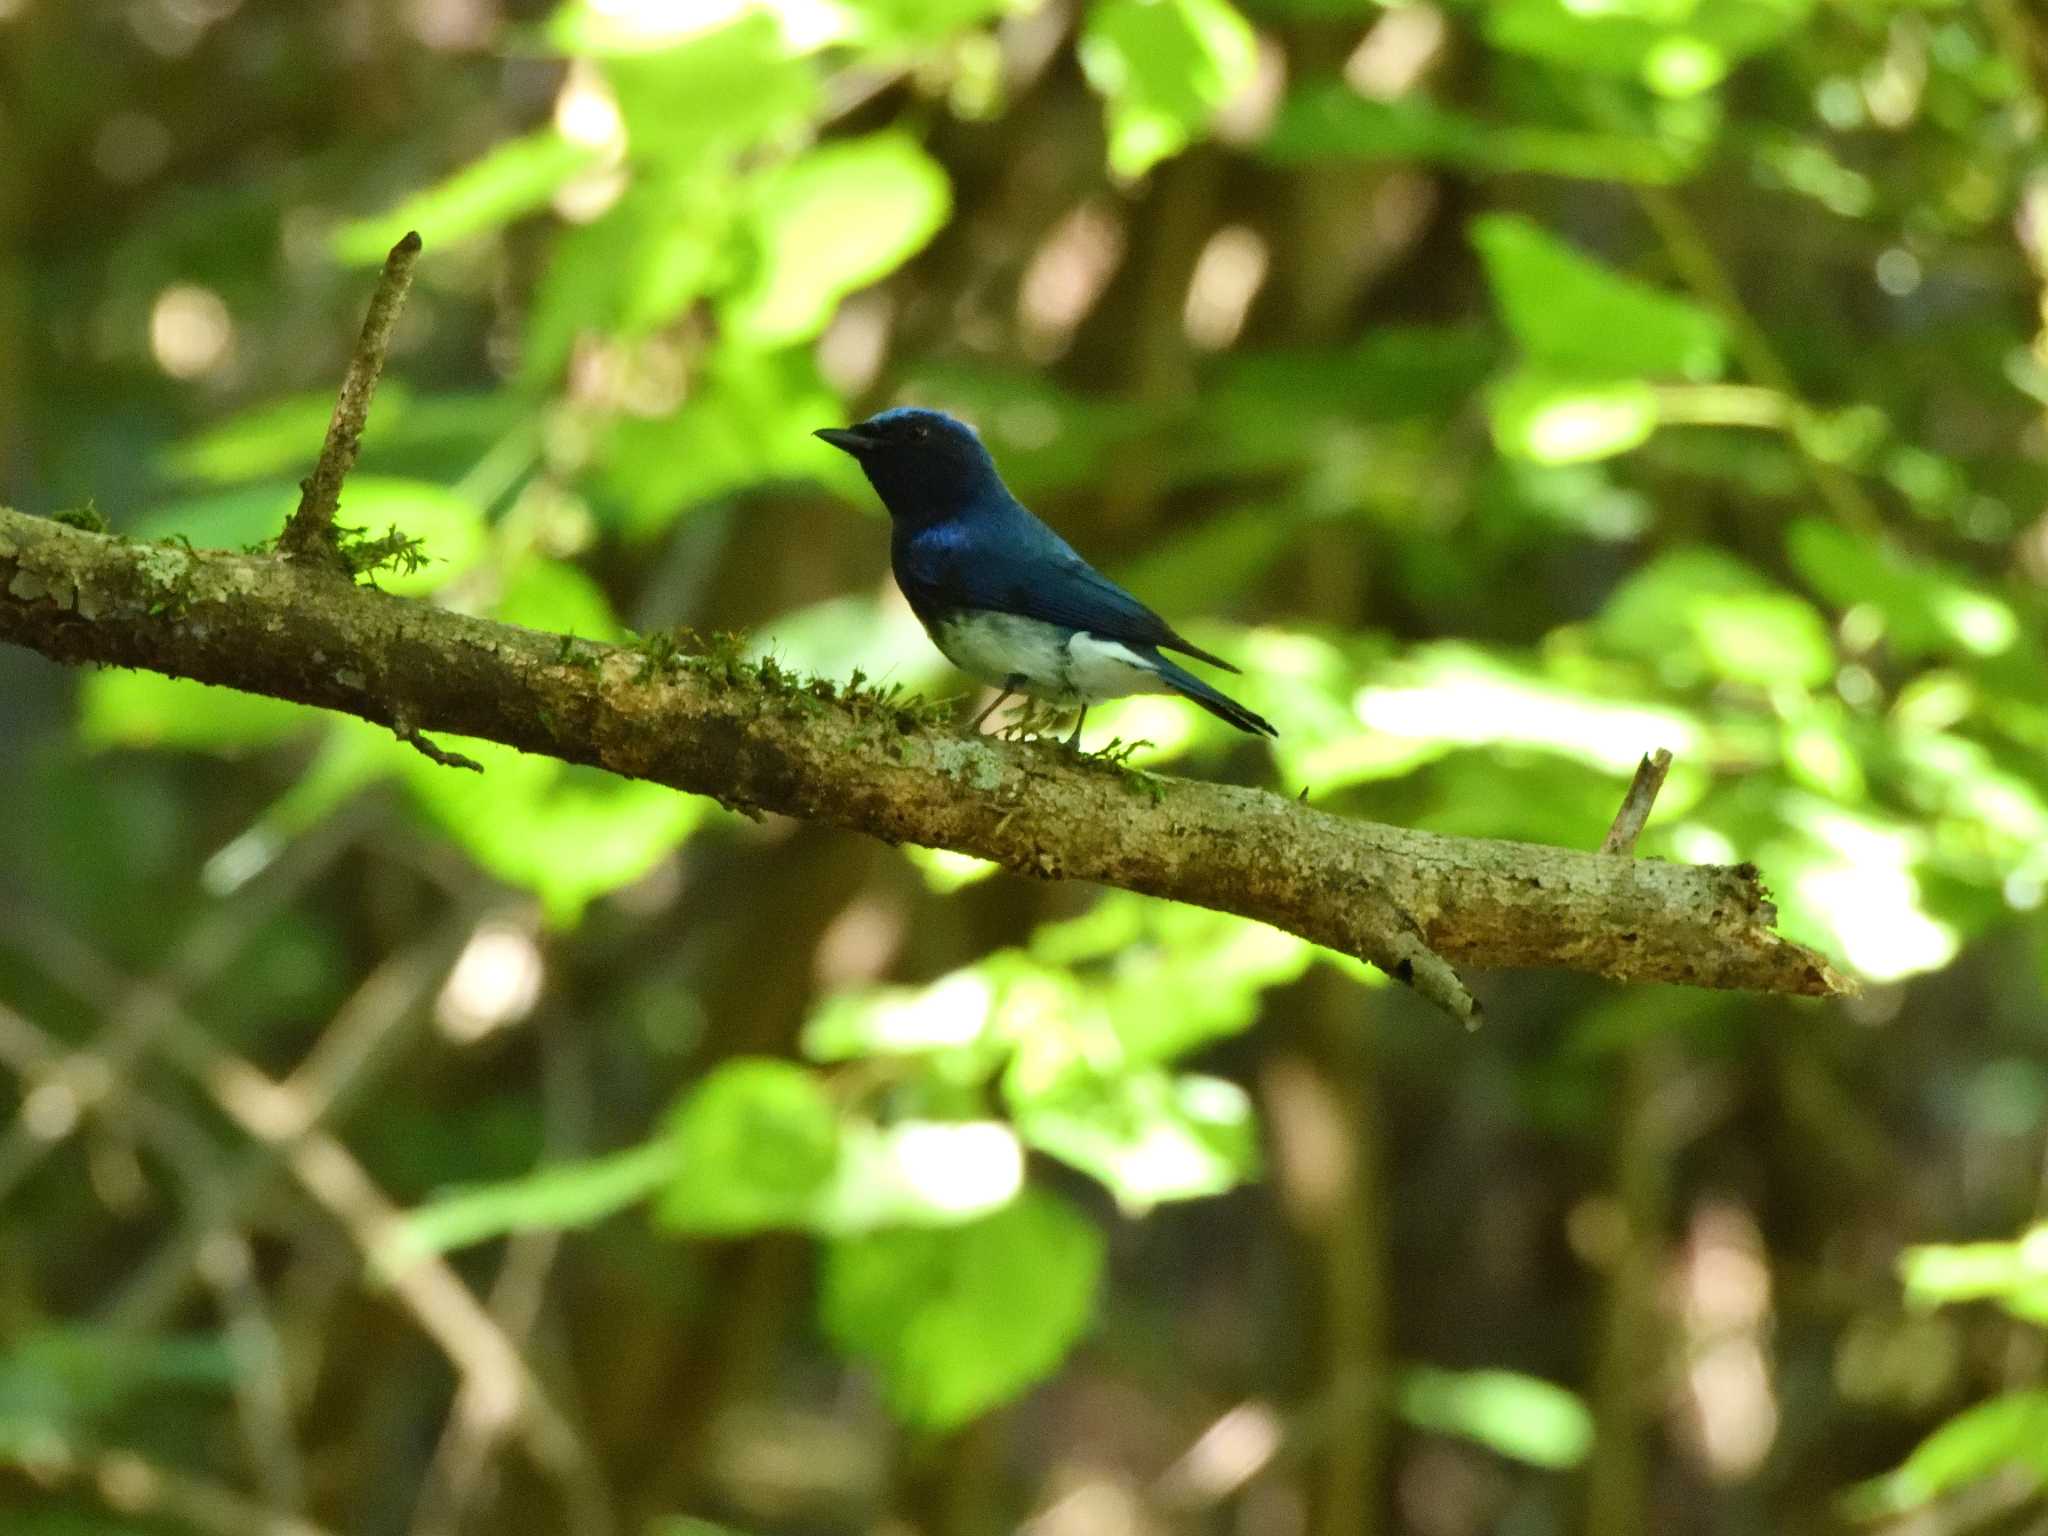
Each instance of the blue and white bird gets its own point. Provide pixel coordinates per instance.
(1006, 599)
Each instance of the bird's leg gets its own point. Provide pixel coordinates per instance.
(1009, 687)
(1074, 741)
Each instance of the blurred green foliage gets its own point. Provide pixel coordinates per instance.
(1510, 386)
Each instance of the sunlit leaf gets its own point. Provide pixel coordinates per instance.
(1522, 1417)
(750, 420)
(920, 1173)
(1148, 1136)
(833, 221)
(681, 109)
(1575, 316)
(955, 1321)
(1926, 608)
(882, 23)
(655, 252)
(757, 1144)
(2014, 1274)
(1849, 884)
(548, 1199)
(556, 596)
(1555, 419)
(1456, 694)
(281, 439)
(1676, 47)
(953, 1012)
(450, 528)
(1764, 638)
(1163, 67)
(2008, 1433)
(147, 709)
(1330, 121)
(516, 178)
(568, 834)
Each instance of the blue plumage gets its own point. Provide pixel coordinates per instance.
(1004, 597)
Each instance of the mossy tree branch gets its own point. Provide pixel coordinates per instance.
(753, 737)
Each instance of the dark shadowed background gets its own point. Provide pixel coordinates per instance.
(1511, 386)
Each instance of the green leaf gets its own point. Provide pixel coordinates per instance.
(2008, 1433)
(957, 1321)
(1573, 315)
(1848, 882)
(655, 252)
(692, 106)
(513, 179)
(1676, 47)
(1163, 67)
(1650, 616)
(1180, 977)
(556, 596)
(279, 441)
(1458, 694)
(893, 23)
(1764, 638)
(831, 222)
(757, 1145)
(237, 519)
(1935, 1273)
(926, 1173)
(1927, 608)
(951, 1013)
(271, 439)
(66, 1380)
(147, 709)
(1556, 419)
(568, 834)
(549, 1199)
(1521, 1417)
(449, 527)
(1148, 1136)
(750, 421)
(1330, 121)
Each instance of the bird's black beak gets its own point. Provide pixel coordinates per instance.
(847, 439)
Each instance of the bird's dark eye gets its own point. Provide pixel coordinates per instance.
(920, 431)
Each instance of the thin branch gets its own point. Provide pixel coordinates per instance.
(409, 733)
(283, 1117)
(308, 536)
(133, 1015)
(195, 1163)
(1413, 903)
(1636, 804)
(458, 1474)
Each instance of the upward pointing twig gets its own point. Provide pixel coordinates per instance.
(1636, 804)
(308, 536)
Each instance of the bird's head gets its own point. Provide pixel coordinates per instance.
(925, 465)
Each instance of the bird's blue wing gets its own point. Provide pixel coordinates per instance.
(1072, 592)
(1031, 572)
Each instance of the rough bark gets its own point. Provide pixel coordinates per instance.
(756, 738)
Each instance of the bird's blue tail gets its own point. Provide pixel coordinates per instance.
(1221, 705)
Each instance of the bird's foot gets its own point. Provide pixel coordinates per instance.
(1031, 722)
(1117, 752)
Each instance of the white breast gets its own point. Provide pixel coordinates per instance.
(1055, 663)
